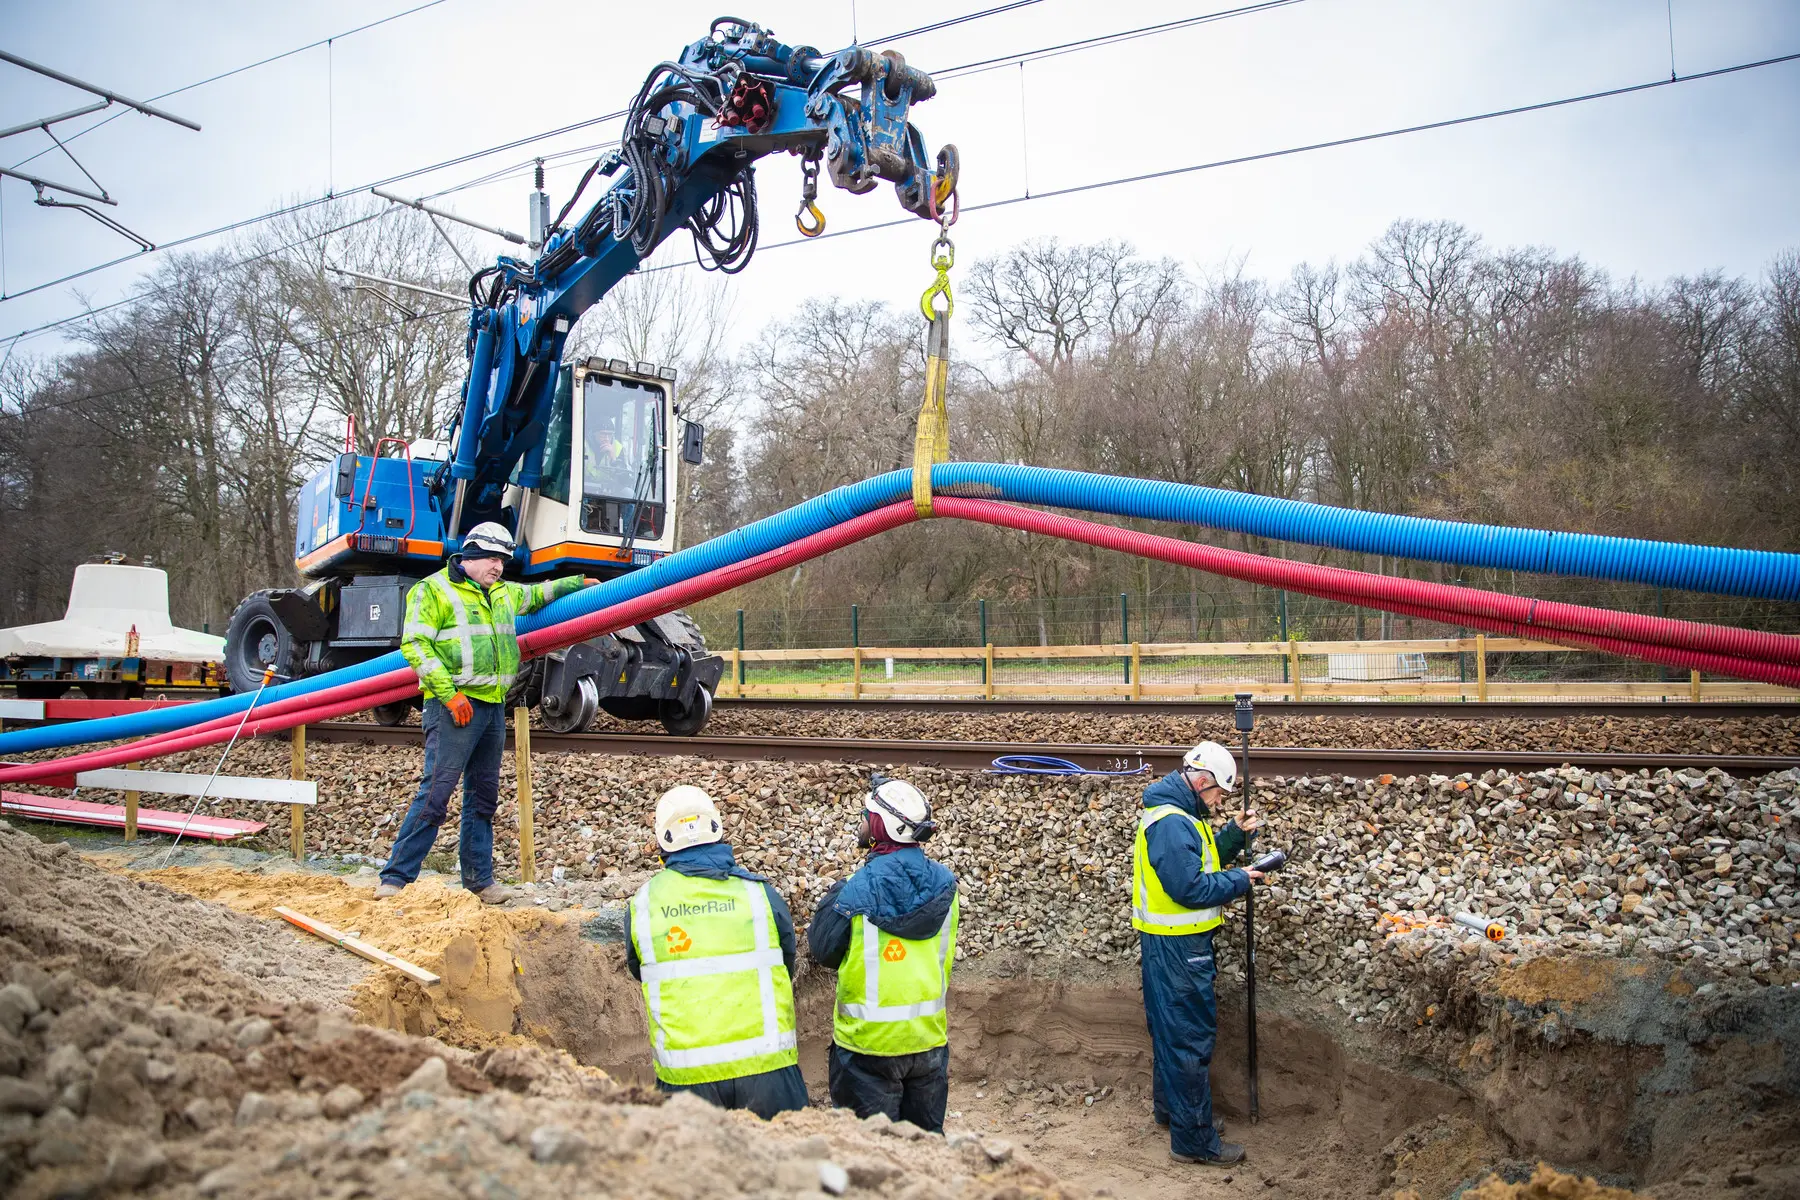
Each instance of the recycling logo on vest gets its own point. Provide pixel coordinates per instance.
(678, 939)
(893, 951)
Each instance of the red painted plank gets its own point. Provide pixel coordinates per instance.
(112, 816)
(83, 710)
(61, 781)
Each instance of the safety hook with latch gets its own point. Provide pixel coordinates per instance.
(809, 197)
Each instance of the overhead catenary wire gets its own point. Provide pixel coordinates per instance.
(1307, 148)
(261, 62)
(391, 179)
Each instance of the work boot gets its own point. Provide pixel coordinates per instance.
(386, 891)
(1230, 1155)
(494, 893)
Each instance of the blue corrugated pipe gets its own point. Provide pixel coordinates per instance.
(1757, 573)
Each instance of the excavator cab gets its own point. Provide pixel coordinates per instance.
(371, 526)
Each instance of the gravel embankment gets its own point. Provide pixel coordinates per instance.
(1634, 734)
(1688, 866)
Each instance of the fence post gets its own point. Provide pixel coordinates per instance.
(740, 658)
(131, 809)
(987, 665)
(855, 627)
(1137, 675)
(522, 757)
(297, 812)
(855, 669)
(1281, 610)
(1293, 660)
(1481, 668)
(1694, 686)
(737, 668)
(1125, 628)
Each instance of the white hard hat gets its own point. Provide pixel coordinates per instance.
(904, 811)
(489, 537)
(1210, 756)
(686, 816)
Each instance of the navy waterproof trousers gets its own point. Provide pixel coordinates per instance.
(1184, 1023)
(466, 754)
(907, 1087)
(778, 1091)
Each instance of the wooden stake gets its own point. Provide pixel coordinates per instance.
(131, 809)
(988, 657)
(297, 812)
(358, 947)
(1481, 668)
(1694, 686)
(737, 688)
(522, 750)
(1137, 674)
(856, 673)
(1294, 666)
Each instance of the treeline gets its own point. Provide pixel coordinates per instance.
(1432, 375)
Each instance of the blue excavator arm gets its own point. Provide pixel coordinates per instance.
(686, 158)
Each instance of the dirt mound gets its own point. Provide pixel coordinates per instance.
(152, 1066)
(1545, 1183)
(443, 929)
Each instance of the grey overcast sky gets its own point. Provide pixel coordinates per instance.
(1674, 180)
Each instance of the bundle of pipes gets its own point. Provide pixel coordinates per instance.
(861, 510)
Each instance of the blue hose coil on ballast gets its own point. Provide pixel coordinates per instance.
(1724, 570)
(1044, 764)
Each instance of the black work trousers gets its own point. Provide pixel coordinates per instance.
(907, 1087)
(765, 1094)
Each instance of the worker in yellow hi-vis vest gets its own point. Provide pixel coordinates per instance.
(890, 931)
(1181, 878)
(713, 946)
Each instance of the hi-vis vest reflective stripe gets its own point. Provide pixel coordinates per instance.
(892, 991)
(461, 638)
(1153, 910)
(716, 992)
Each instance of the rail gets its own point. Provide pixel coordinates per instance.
(1287, 680)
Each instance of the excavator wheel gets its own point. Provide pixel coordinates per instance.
(687, 722)
(393, 714)
(575, 714)
(257, 639)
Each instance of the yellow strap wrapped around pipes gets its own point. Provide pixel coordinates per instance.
(931, 441)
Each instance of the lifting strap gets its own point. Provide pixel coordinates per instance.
(931, 442)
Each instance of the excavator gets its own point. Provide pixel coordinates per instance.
(579, 460)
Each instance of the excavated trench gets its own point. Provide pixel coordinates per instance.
(1610, 1067)
(1643, 1070)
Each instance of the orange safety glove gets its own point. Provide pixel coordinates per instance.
(461, 711)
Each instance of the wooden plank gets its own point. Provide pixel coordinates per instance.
(856, 683)
(924, 687)
(987, 674)
(797, 689)
(358, 947)
(1694, 685)
(22, 710)
(225, 787)
(1137, 671)
(522, 773)
(934, 653)
(1481, 686)
(297, 812)
(734, 685)
(1294, 668)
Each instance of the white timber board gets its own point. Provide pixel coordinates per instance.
(225, 787)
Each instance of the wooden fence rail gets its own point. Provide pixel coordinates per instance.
(865, 674)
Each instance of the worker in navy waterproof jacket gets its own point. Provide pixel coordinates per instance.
(1180, 881)
(713, 946)
(890, 932)
(459, 638)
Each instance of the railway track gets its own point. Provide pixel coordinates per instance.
(1267, 760)
(1491, 710)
